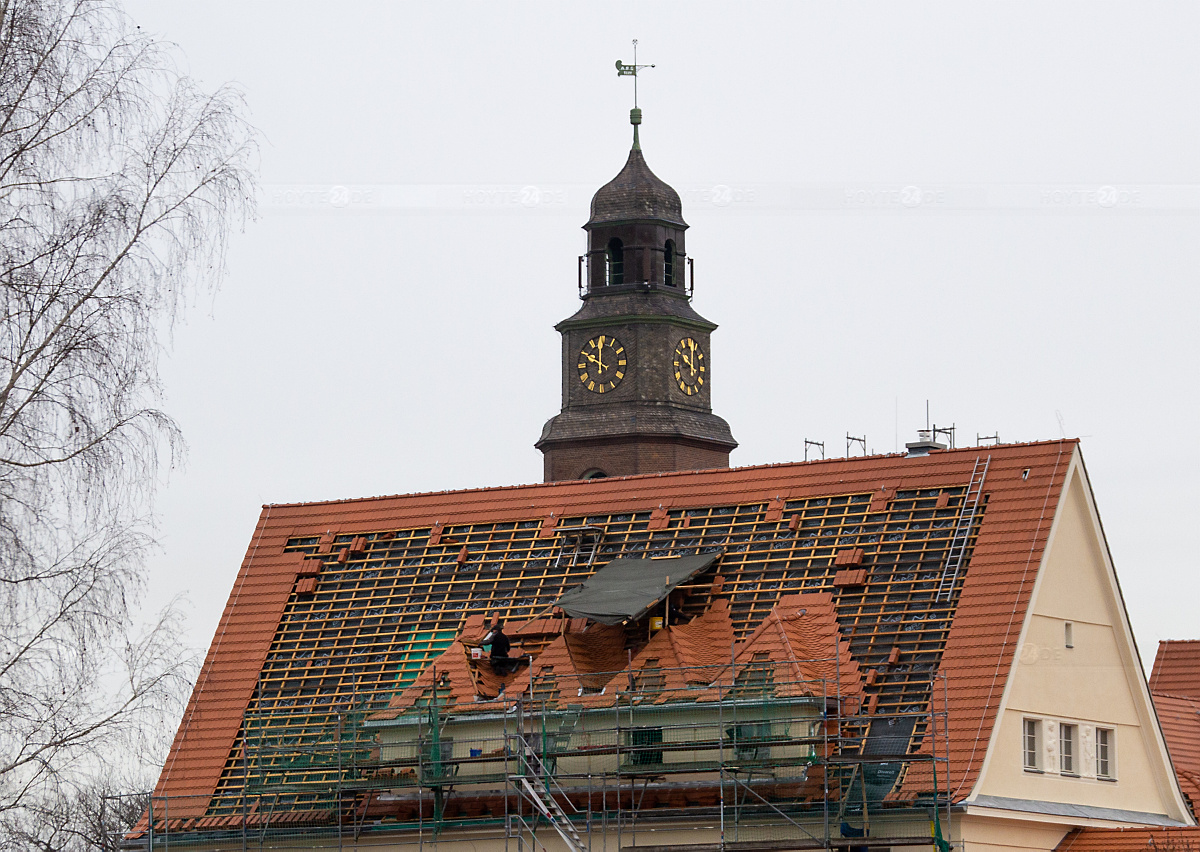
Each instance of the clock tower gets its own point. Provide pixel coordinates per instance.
(636, 362)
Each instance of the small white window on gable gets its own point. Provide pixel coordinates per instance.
(1066, 749)
(1105, 753)
(1032, 743)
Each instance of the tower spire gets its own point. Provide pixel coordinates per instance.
(636, 365)
(635, 114)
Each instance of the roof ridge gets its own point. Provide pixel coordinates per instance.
(675, 645)
(600, 483)
(1174, 695)
(787, 641)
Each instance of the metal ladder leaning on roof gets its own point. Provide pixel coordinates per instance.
(542, 798)
(962, 529)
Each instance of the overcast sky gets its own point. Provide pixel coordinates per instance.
(992, 207)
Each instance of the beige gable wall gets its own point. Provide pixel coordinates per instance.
(1096, 683)
(992, 834)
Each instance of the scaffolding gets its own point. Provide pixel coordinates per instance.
(752, 761)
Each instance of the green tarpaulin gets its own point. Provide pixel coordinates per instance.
(626, 589)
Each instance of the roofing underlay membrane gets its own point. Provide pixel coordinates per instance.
(625, 589)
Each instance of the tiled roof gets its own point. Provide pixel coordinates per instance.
(636, 193)
(690, 654)
(795, 643)
(802, 633)
(334, 598)
(226, 680)
(593, 653)
(1180, 720)
(1130, 840)
(708, 640)
(467, 683)
(1177, 668)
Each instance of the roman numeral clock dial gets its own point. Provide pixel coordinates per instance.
(602, 364)
(689, 366)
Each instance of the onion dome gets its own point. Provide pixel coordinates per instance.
(636, 194)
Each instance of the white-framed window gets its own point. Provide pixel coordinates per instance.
(1066, 749)
(1105, 753)
(1031, 740)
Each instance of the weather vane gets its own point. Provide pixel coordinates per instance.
(624, 70)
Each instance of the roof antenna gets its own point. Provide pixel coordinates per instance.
(635, 114)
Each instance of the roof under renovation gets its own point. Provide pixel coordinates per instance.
(573, 660)
(900, 568)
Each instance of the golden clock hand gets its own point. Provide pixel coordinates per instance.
(600, 354)
(692, 363)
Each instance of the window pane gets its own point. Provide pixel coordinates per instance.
(1031, 744)
(1066, 748)
(1103, 752)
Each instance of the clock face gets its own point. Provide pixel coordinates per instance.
(690, 369)
(602, 363)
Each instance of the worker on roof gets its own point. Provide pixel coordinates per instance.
(502, 664)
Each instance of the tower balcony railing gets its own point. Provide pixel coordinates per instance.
(636, 267)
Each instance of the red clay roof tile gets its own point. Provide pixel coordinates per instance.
(1129, 839)
(1177, 668)
(1179, 717)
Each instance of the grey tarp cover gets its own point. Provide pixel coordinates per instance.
(627, 588)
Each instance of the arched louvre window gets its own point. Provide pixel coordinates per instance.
(669, 265)
(614, 263)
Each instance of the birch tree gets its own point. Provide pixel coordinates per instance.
(120, 181)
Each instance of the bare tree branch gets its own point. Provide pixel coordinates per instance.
(120, 182)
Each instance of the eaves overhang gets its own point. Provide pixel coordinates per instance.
(1080, 815)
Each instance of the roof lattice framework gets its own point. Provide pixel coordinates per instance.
(379, 617)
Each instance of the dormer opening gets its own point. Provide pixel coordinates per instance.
(614, 263)
(669, 266)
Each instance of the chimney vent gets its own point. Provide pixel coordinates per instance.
(923, 445)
